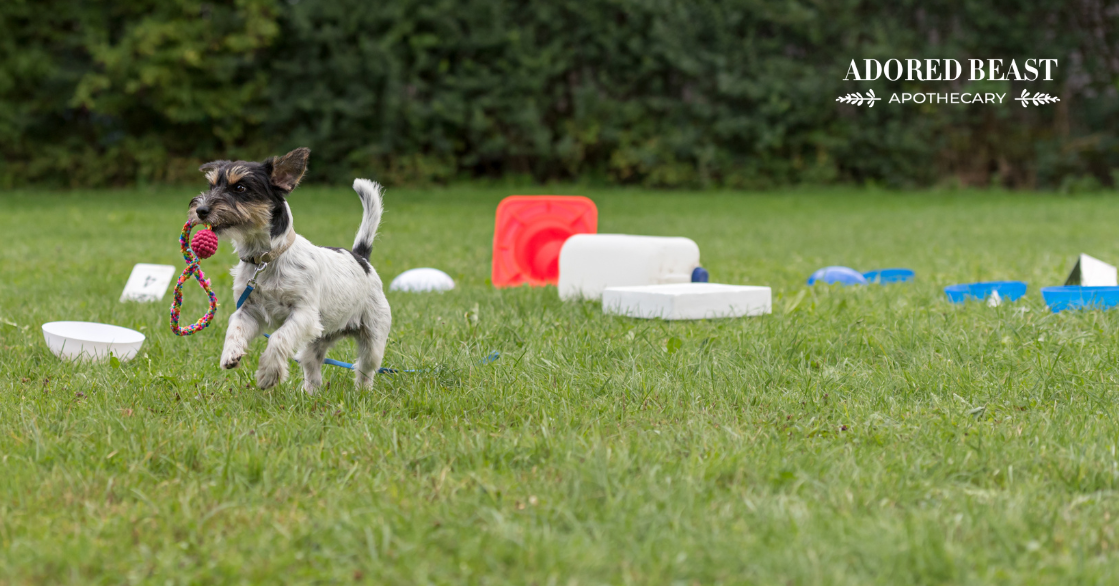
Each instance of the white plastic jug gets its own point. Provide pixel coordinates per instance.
(589, 263)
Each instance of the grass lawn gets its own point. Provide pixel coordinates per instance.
(873, 435)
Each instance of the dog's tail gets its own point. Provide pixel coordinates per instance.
(370, 194)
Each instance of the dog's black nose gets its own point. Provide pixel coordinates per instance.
(202, 212)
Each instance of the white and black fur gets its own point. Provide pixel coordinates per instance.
(311, 295)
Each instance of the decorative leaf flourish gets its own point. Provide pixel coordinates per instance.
(858, 99)
(1037, 99)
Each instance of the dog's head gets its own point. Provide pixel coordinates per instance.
(248, 198)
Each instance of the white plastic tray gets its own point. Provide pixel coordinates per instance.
(687, 301)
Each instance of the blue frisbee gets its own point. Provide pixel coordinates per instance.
(1007, 290)
(887, 276)
(1076, 297)
(842, 275)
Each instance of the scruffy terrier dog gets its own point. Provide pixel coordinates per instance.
(312, 295)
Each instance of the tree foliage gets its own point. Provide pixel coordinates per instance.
(735, 93)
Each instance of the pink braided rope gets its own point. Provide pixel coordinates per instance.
(192, 268)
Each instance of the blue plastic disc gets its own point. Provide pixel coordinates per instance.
(841, 275)
(699, 275)
(1076, 297)
(887, 276)
(1007, 290)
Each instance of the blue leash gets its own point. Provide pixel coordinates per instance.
(249, 289)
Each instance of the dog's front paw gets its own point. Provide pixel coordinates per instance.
(268, 375)
(230, 361)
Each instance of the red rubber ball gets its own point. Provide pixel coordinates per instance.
(204, 243)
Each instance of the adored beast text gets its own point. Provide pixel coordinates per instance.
(950, 70)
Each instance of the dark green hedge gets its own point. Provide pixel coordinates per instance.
(656, 92)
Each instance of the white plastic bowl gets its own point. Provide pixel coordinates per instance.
(82, 340)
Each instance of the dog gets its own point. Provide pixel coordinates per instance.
(312, 295)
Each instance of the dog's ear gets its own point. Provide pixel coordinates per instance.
(211, 170)
(286, 171)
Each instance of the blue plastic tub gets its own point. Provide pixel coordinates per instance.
(841, 275)
(1008, 290)
(1077, 297)
(887, 276)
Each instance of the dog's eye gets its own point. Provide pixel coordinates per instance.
(239, 188)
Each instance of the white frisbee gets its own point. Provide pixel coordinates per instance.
(82, 340)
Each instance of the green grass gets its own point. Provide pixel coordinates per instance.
(870, 435)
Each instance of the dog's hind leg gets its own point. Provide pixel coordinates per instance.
(371, 352)
(311, 359)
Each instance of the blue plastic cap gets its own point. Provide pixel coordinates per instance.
(841, 275)
(699, 275)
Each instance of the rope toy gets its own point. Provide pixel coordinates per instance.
(207, 245)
